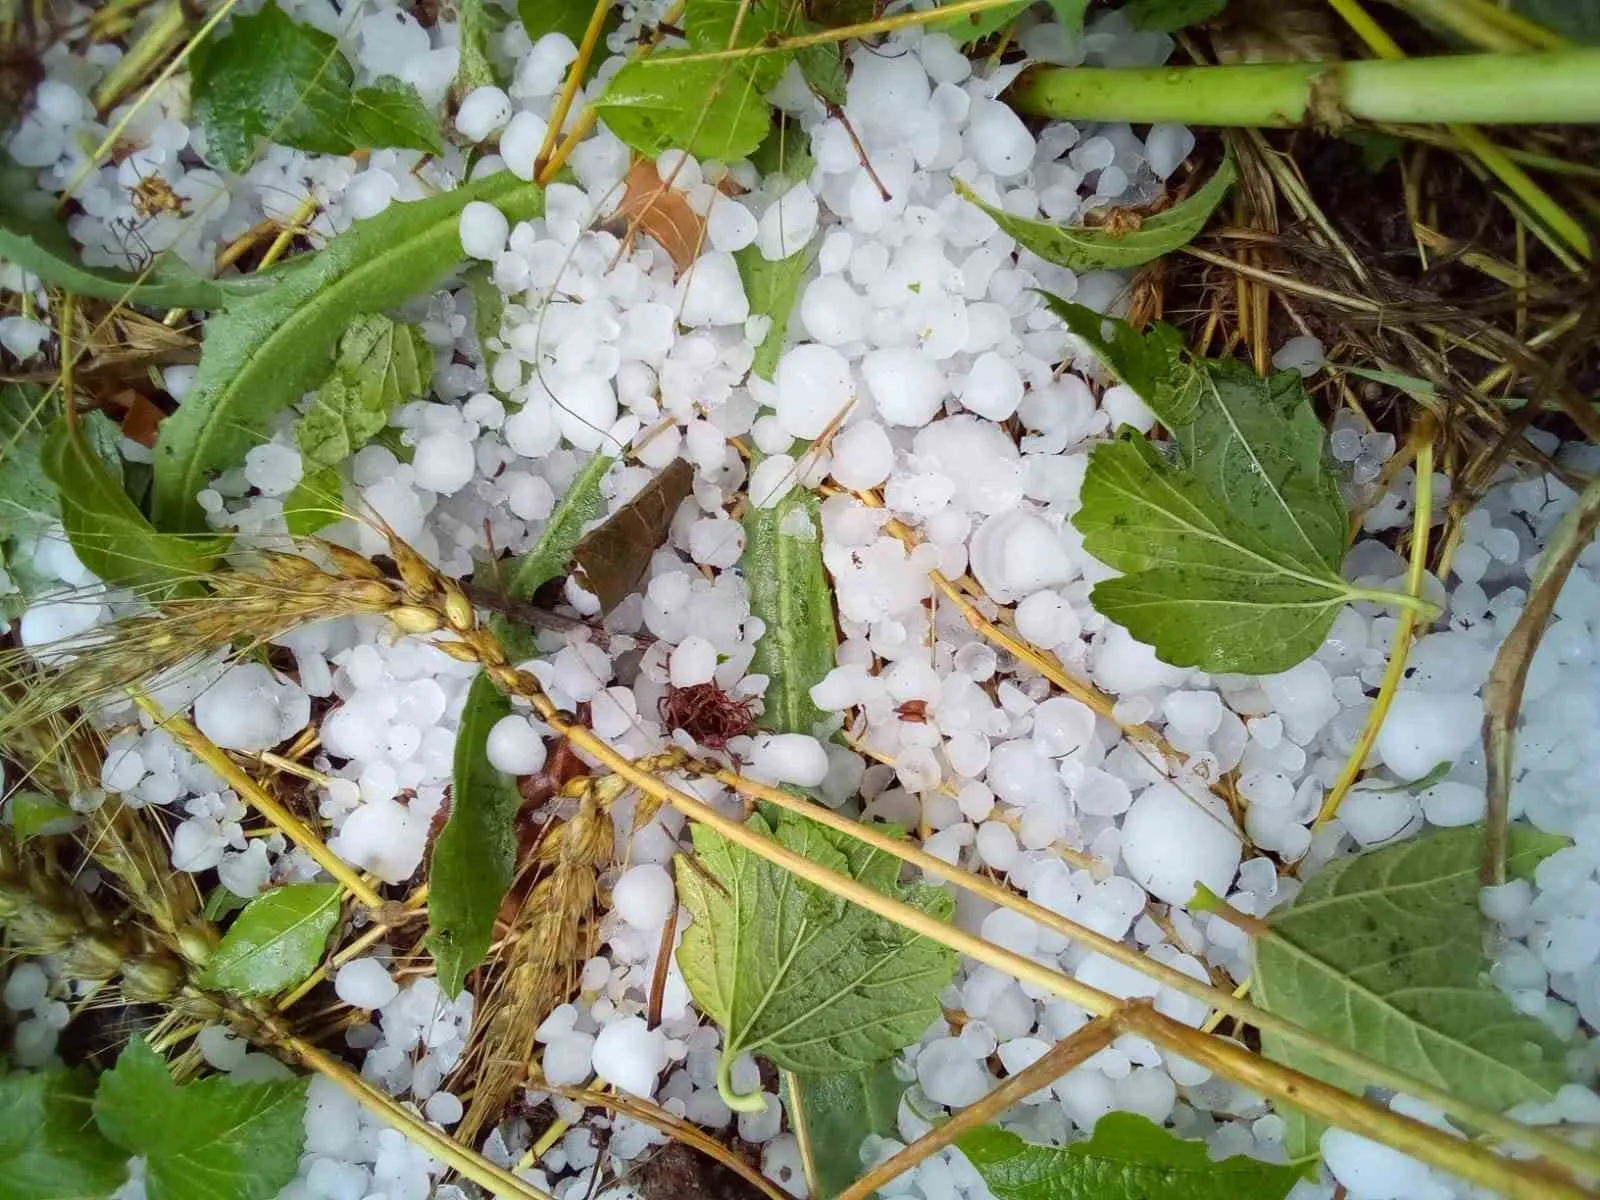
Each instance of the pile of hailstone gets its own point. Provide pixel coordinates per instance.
(921, 325)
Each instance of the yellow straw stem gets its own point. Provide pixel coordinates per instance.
(574, 81)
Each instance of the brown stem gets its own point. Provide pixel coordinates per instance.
(837, 114)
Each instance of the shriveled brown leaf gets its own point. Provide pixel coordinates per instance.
(650, 206)
(611, 558)
(140, 419)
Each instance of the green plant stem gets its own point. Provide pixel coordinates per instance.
(1419, 605)
(1562, 87)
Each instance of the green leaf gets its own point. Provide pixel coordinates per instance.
(1378, 149)
(570, 17)
(1382, 952)
(1083, 248)
(381, 365)
(270, 77)
(1128, 1157)
(34, 814)
(276, 942)
(1151, 363)
(549, 559)
(974, 27)
(222, 903)
(49, 1146)
(27, 494)
(209, 1140)
(34, 239)
(824, 70)
(108, 532)
(391, 113)
(474, 856)
(789, 591)
(262, 353)
(1069, 14)
(711, 109)
(314, 503)
(735, 24)
(772, 288)
(808, 980)
(475, 70)
(1169, 16)
(831, 1116)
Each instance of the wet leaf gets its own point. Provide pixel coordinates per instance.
(1382, 952)
(1169, 16)
(824, 70)
(277, 940)
(488, 310)
(785, 151)
(262, 353)
(1575, 19)
(34, 814)
(831, 1116)
(550, 558)
(475, 70)
(273, 78)
(974, 27)
(772, 288)
(1231, 537)
(381, 365)
(108, 532)
(27, 493)
(474, 855)
(34, 239)
(1069, 14)
(611, 558)
(711, 109)
(651, 207)
(391, 113)
(735, 24)
(50, 1148)
(1093, 248)
(789, 591)
(830, 14)
(1128, 1157)
(315, 502)
(805, 979)
(209, 1140)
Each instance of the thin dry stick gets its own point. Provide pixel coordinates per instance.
(1405, 626)
(1502, 695)
(1232, 1004)
(253, 794)
(1060, 1059)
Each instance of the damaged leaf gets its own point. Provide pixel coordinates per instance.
(381, 365)
(651, 207)
(611, 559)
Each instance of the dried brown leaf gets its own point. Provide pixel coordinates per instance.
(610, 559)
(650, 206)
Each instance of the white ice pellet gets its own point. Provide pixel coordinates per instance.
(628, 1055)
(1171, 841)
(443, 1108)
(814, 389)
(483, 110)
(788, 224)
(1424, 729)
(1370, 1170)
(862, 455)
(365, 983)
(585, 408)
(249, 708)
(999, 139)
(1046, 620)
(951, 1073)
(22, 336)
(772, 480)
(221, 1048)
(484, 230)
(832, 311)
(567, 1059)
(514, 746)
(444, 463)
(520, 142)
(711, 292)
(694, 661)
(1165, 148)
(790, 758)
(907, 386)
(644, 896)
(730, 225)
(26, 987)
(993, 388)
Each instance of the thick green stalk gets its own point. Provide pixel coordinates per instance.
(1562, 87)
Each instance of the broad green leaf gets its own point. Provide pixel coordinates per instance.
(831, 1116)
(789, 591)
(1151, 363)
(735, 24)
(789, 972)
(785, 151)
(34, 814)
(270, 77)
(277, 940)
(488, 310)
(209, 1140)
(262, 353)
(1382, 952)
(27, 494)
(824, 70)
(381, 365)
(974, 27)
(391, 113)
(550, 558)
(222, 903)
(1093, 248)
(711, 109)
(1169, 16)
(314, 503)
(570, 17)
(108, 532)
(476, 70)
(772, 288)
(474, 855)
(830, 14)
(50, 1148)
(1128, 1157)
(32, 237)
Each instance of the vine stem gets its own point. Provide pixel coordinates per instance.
(249, 790)
(1404, 629)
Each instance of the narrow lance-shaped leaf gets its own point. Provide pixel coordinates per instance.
(107, 531)
(50, 1148)
(788, 971)
(611, 558)
(772, 288)
(34, 814)
(209, 1140)
(474, 855)
(1128, 1157)
(712, 109)
(1092, 248)
(1382, 953)
(277, 940)
(261, 354)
